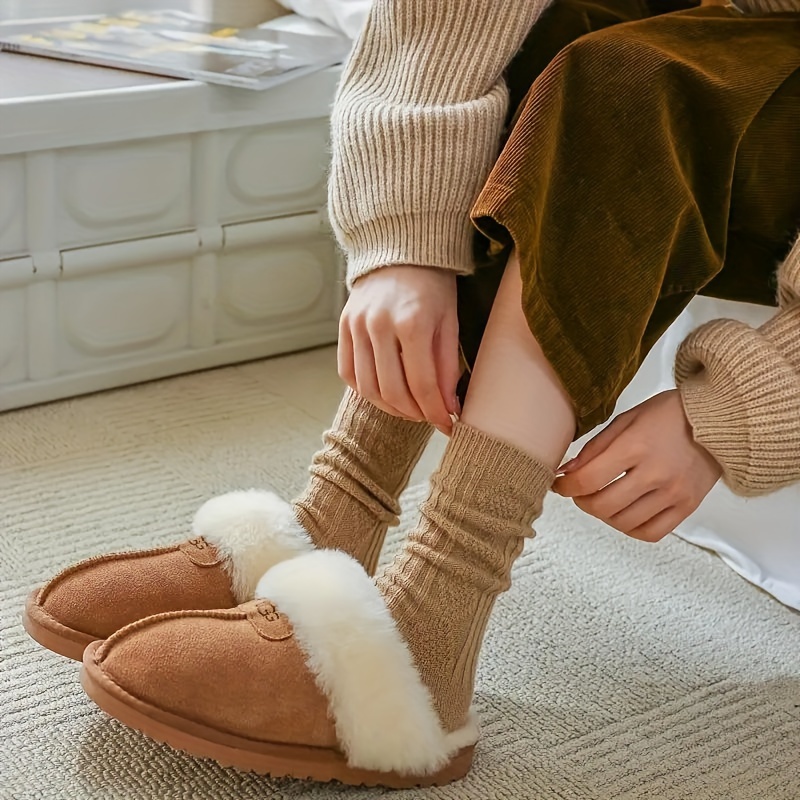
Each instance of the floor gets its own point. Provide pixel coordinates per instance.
(612, 669)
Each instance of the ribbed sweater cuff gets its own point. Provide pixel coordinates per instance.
(741, 394)
(442, 240)
(404, 177)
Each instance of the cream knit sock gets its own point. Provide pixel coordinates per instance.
(442, 586)
(357, 477)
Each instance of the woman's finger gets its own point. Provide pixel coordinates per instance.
(658, 526)
(597, 473)
(420, 371)
(599, 444)
(391, 377)
(640, 511)
(364, 368)
(617, 496)
(344, 354)
(448, 364)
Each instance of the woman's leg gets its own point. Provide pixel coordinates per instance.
(357, 477)
(516, 426)
(514, 394)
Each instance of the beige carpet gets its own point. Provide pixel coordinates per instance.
(612, 669)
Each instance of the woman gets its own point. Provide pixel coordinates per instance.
(648, 157)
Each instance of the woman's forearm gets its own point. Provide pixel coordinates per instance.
(416, 126)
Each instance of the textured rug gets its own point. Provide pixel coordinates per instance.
(612, 669)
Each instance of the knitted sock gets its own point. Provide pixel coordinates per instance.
(357, 478)
(442, 586)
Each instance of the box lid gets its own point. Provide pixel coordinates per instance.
(45, 104)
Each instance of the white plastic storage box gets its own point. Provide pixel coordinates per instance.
(151, 226)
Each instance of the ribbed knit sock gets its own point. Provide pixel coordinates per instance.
(357, 477)
(442, 586)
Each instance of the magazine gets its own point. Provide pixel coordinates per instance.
(179, 44)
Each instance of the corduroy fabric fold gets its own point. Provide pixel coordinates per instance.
(648, 161)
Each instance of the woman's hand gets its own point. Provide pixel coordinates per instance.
(398, 342)
(667, 474)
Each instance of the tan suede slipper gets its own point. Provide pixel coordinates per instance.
(237, 537)
(313, 683)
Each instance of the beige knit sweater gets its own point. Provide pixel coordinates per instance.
(415, 131)
(741, 392)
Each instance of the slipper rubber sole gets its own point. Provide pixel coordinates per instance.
(50, 633)
(275, 759)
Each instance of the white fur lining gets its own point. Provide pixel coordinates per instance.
(384, 716)
(253, 530)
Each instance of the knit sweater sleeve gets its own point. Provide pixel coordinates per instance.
(415, 128)
(741, 391)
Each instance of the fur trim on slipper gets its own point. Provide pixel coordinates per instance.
(385, 719)
(253, 530)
